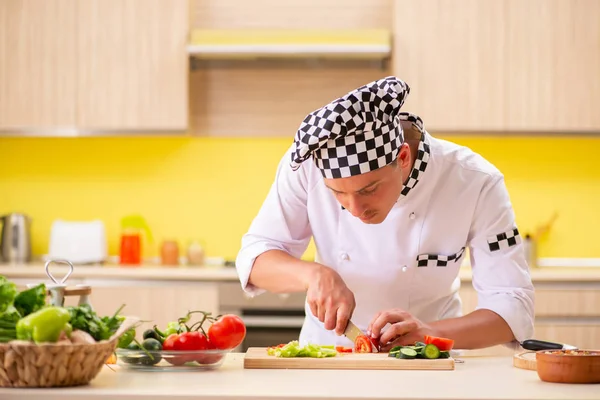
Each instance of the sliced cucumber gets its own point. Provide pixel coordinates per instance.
(444, 354)
(419, 344)
(431, 351)
(395, 349)
(407, 352)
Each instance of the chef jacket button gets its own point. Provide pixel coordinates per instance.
(412, 215)
(344, 256)
(404, 268)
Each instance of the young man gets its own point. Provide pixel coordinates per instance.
(392, 211)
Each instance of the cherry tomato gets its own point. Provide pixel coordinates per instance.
(227, 332)
(362, 344)
(169, 345)
(187, 341)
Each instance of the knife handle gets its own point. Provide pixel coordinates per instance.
(535, 345)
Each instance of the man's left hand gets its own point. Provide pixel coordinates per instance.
(405, 329)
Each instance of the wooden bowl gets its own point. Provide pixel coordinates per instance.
(568, 366)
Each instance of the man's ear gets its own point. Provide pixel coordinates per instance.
(404, 156)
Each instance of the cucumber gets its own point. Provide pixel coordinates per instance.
(407, 352)
(419, 344)
(444, 354)
(431, 351)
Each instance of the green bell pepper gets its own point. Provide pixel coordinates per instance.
(126, 338)
(44, 325)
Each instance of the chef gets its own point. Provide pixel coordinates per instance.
(393, 212)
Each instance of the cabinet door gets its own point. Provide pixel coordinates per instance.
(553, 65)
(133, 64)
(154, 302)
(451, 54)
(38, 66)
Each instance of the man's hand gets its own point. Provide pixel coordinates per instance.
(329, 299)
(404, 329)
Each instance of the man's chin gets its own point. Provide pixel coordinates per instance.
(374, 219)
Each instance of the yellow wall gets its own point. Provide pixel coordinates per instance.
(210, 189)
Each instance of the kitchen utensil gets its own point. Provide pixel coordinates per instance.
(352, 332)
(15, 239)
(535, 345)
(257, 358)
(81, 242)
(568, 366)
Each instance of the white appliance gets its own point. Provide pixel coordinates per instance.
(81, 242)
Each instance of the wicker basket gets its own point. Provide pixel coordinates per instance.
(25, 364)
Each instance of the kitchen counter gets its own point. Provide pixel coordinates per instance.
(216, 273)
(490, 378)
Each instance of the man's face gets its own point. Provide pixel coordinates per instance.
(371, 196)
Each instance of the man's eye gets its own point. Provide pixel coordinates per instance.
(368, 192)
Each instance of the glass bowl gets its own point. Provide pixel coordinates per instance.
(163, 360)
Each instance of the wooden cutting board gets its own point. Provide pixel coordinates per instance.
(525, 360)
(257, 358)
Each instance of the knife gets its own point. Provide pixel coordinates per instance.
(352, 332)
(535, 345)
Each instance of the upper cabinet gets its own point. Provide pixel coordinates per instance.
(38, 64)
(133, 64)
(69, 66)
(451, 53)
(506, 65)
(553, 65)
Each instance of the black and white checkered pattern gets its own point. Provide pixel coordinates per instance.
(423, 153)
(437, 260)
(354, 134)
(504, 240)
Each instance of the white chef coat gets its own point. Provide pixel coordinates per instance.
(459, 202)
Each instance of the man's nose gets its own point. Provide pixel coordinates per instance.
(354, 206)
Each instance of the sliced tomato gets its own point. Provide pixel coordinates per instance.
(276, 347)
(342, 349)
(444, 344)
(362, 344)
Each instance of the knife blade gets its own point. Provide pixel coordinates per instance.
(352, 332)
(536, 345)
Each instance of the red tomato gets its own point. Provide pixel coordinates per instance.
(342, 349)
(376, 344)
(441, 343)
(227, 332)
(187, 341)
(363, 345)
(169, 345)
(209, 358)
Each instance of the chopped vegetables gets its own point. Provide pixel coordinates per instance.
(293, 349)
(363, 344)
(432, 349)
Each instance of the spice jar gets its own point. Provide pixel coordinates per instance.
(169, 253)
(195, 254)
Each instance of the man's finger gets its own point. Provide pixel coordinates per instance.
(398, 329)
(343, 315)
(330, 318)
(384, 318)
(313, 308)
(370, 327)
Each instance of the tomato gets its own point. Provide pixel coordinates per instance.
(376, 344)
(342, 349)
(209, 358)
(169, 345)
(362, 344)
(187, 341)
(443, 344)
(227, 332)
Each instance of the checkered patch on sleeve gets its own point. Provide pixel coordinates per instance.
(504, 240)
(438, 260)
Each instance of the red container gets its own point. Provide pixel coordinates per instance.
(131, 249)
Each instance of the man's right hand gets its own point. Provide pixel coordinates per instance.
(329, 299)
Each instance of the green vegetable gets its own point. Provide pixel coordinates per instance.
(431, 351)
(172, 327)
(126, 338)
(153, 334)
(444, 354)
(8, 292)
(152, 356)
(406, 352)
(31, 300)
(131, 360)
(8, 331)
(11, 314)
(86, 319)
(293, 349)
(44, 325)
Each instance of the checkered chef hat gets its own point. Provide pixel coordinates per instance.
(354, 134)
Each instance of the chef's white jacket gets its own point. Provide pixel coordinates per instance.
(459, 202)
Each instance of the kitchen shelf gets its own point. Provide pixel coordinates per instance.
(252, 44)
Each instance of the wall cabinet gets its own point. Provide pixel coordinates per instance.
(500, 65)
(72, 66)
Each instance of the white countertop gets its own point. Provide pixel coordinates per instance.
(220, 274)
(490, 378)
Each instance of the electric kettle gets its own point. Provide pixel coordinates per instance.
(15, 239)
